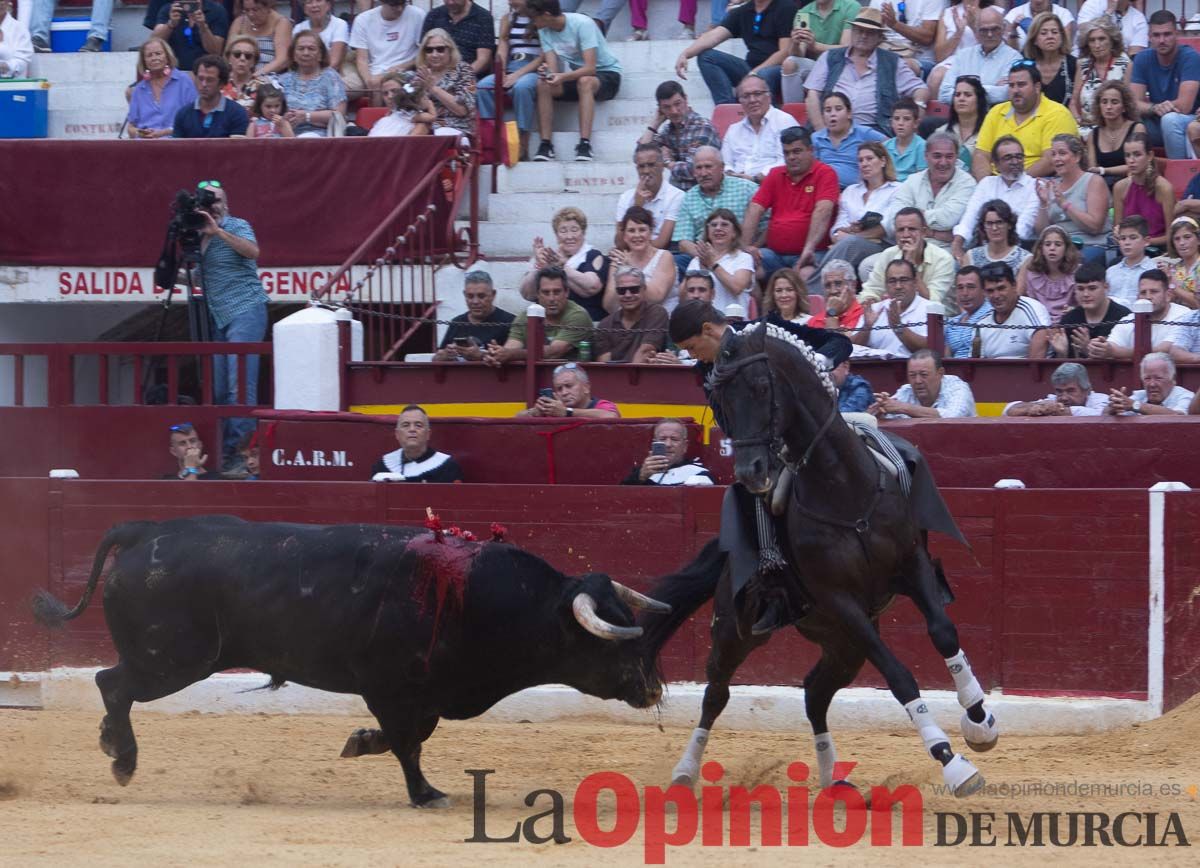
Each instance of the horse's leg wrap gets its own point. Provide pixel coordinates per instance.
(931, 734)
(826, 757)
(965, 682)
(770, 558)
(688, 768)
(958, 772)
(978, 725)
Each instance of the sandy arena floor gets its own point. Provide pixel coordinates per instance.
(270, 790)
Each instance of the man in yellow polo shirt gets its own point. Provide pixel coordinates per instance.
(1034, 119)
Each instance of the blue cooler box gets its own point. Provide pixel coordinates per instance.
(68, 33)
(23, 106)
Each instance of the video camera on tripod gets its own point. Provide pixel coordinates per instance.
(182, 248)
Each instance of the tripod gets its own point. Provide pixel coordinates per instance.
(176, 258)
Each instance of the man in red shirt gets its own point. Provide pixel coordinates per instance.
(802, 197)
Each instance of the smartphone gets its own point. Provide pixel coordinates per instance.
(546, 393)
(802, 20)
(658, 448)
(462, 342)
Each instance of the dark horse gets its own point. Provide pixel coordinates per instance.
(850, 535)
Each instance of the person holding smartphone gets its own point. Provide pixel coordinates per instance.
(482, 324)
(193, 28)
(667, 463)
(817, 27)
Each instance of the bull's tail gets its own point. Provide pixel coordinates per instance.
(53, 612)
(685, 591)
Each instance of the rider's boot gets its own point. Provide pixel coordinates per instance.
(771, 576)
(776, 613)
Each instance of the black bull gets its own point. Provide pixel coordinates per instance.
(422, 629)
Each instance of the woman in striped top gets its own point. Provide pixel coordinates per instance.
(522, 53)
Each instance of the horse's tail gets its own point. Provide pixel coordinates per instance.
(685, 591)
(53, 612)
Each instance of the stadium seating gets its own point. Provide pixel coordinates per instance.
(1180, 173)
(369, 115)
(725, 116)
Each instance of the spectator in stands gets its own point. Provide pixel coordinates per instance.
(16, 46)
(187, 448)
(405, 96)
(814, 31)
(859, 230)
(237, 302)
(1074, 200)
(801, 196)
(212, 115)
(1159, 395)
(1093, 315)
(713, 190)
(1027, 337)
(1116, 121)
(996, 238)
(416, 460)
(1183, 249)
(1049, 47)
(1048, 275)
(1123, 15)
(839, 281)
(941, 191)
(270, 30)
(572, 397)
(334, 32)
(585, 267)
(1165, 83)
(315, 92)
(873, 78)
(697, 285)
(1189, 205)
(1028, 116)
(1122, 278)
(636, 248)
(906, 148)
(579, 67)
(1072, 396)
(721, 252)
(959, 331)
(471, 27)
(241, 53)
(199, 32)
(162, 90)
(268, 115)
(449, 85)
(836, 144)
(854, 392)
(787, 295)
(43, 11)
(567, 325)
(1019, 21)
(1154, 287)
(765, 28)
(956, 31)
(1010, 184)
(930, 393)
(896, 326)
(679, 132)
(968, 109)
(989, 60)
(934, 266)
(385, 40)
(482, 325)
(637, 328)
(751, 146)
(1144, 192)
(652, 192)
(521, 51)
(667, 462)
(1102, 58)
(248, 451)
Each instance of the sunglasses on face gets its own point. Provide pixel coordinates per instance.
(435, 49)
(242, 55)
(628, 290)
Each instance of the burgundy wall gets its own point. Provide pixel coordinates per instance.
(1051, 599)
(1182, 594)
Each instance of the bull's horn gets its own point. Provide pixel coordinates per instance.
(585, 613)
(634, 600)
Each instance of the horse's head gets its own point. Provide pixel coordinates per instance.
(745, 392)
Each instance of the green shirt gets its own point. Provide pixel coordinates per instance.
(574, 327)
(735, 194)
(827, 28)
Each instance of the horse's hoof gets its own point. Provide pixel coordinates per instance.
(980, 737)
(441, 800)
(123, 772)
(961, 776)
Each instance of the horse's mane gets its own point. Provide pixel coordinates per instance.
(806, 352)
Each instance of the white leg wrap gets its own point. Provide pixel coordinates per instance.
(980, 736)
(930, 732)
(826, 757)
(961, 776)
(965, 682)
(688, 768)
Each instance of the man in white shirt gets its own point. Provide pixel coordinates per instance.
(1123, 14)
(934, 266)
(1159, 396)
(1020, 17)
(1010, 185)
(1073, 396)
(896, 325)
(989, 60)
(1155, 287)
(1027, 335)
(930, 393)
(941, 192)
(654, 192)
(751, 147)
(385, 40)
